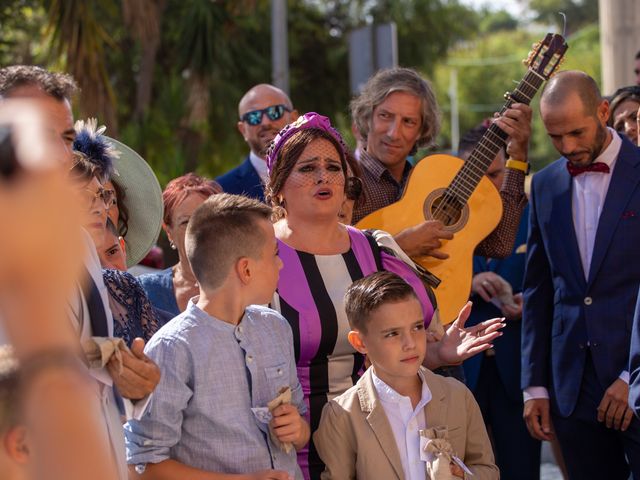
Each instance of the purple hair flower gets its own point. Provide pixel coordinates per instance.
(307, 121)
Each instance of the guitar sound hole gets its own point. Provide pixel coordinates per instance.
(448, 211)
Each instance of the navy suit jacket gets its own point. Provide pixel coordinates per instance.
(507, 347)
(243, 180)
(566, 314)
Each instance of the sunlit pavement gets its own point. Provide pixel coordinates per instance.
(548, 468)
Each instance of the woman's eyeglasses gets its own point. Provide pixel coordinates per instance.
(106, 196)
(274, 112)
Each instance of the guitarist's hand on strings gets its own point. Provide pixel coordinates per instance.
(516, 122)
(424, 239)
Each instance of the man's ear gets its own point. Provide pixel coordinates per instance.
(16, 444)
(243, 270)
(604, 111)
(356, 341)
(241, 128)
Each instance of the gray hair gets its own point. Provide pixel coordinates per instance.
(60, 86)
(386, 82)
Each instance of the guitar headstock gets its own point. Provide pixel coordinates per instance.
(547, 55)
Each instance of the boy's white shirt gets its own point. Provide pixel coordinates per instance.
(406, 423)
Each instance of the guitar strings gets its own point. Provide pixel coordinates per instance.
(466, 180)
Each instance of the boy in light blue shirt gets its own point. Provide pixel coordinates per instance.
(223, 360)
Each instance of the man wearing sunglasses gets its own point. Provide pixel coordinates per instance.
(262, 112)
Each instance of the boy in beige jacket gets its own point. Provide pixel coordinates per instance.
(400, 421)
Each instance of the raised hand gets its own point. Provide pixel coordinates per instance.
(459, 343)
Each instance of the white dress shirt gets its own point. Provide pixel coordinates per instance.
(260, 164)
(588, 193)
(406, 423)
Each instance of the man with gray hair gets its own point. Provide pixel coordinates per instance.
(397, 113)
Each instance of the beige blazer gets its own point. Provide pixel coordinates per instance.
(355, 439)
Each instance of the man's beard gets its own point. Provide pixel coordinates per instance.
(598, 143)
(260, 145)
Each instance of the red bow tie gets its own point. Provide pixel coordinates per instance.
(593, 167)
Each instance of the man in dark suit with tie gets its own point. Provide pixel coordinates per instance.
(262, 112)
(581, 285)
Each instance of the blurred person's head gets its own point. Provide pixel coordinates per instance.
(112, 252)
(51, 93)
(496, 170)
(396, 113)
(575, 116)
(15, 451)
(262, 112)
(181, 197)
(308, 170)
(624, 112)
(93, 197)
(230, 241)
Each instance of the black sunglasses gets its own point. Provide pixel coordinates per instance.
(274, 112)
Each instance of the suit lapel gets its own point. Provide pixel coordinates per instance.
(435, 412)
(377, 419)
(560, 209)
(623, 183)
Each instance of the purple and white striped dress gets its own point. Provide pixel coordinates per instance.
(310, 296)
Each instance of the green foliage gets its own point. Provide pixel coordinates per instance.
(580, 13)
(211, 52)
(426, 28)
(20, 22)
(495, 21)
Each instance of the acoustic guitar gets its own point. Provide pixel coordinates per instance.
(445, 188)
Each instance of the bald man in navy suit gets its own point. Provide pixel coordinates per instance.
(262, 112)
(581, 284)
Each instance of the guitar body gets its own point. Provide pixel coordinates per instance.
(478, 218)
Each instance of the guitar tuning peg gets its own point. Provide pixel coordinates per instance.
(525, 61)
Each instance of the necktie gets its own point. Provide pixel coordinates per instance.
(599, 167)
(97, 314)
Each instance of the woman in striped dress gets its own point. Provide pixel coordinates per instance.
(308, 184)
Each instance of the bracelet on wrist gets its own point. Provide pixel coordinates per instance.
(514, 164)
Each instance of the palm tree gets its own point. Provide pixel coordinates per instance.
(79, 39)
(144, 18)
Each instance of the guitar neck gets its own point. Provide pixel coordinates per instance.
(494, 139)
